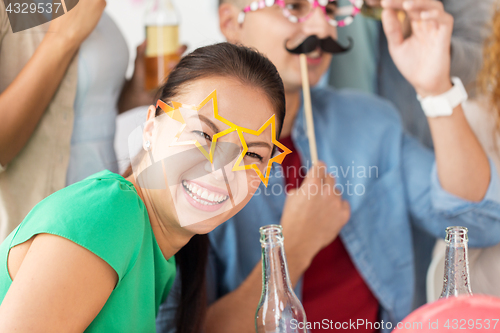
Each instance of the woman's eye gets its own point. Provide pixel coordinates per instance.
(254, 155)
(203, 134)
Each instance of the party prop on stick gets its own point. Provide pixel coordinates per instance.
(311, 44)
(306, 91)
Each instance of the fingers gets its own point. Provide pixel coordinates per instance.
(181, 50)
(373, 3)
(425, 16)
(318, 174)
(427, 10)
(141, 52)
(319, 179)
(420, 10)
(422, 5)
(408, 5)
(392, 27)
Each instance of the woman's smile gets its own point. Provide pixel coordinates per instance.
(203, 196)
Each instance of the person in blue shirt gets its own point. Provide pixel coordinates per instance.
(385, 179)
(369, 67)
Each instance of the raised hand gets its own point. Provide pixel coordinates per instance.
(424, 57)
(313, 215)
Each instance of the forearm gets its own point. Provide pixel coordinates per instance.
(462, 164)
(235, 312)
(25, 100)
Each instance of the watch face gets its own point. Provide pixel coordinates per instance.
(442, 107)
(436, 106)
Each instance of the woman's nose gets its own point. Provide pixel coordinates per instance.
(218, 173)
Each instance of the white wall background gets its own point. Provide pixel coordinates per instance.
(199, 22)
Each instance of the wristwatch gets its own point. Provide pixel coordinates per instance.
(443, 105)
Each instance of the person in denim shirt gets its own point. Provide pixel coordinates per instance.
(407, 184)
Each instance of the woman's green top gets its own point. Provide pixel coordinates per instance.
(105, 215)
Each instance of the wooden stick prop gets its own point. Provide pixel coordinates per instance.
(306, 91)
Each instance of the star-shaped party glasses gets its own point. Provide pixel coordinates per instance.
(174, 113)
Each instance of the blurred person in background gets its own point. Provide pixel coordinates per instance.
(44, 144)
(370, 68)
(483, 114)
(38, 79)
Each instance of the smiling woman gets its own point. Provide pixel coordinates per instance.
(98, 256)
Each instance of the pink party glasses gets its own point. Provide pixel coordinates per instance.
(338, 13)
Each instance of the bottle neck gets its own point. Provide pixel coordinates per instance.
(161, 13)
(456, 272)
(274, 267)
(164, 5)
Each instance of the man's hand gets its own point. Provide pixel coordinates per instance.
(424, 57)
(313, 216)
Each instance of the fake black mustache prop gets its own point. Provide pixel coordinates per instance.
(327, 44)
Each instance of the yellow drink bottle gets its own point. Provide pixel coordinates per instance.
(162, 35)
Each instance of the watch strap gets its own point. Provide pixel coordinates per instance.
(443, 105)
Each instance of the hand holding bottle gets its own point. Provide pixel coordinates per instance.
(162, 34)
(313, 215)
(134, 92)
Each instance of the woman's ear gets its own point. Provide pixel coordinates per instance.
(228, 22)
(149, 126)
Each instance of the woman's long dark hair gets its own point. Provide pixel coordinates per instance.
(250, 68)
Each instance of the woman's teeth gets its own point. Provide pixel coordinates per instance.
(202, 195)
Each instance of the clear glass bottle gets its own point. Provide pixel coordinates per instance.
(456, 270)
(279, 310)
(162, 34)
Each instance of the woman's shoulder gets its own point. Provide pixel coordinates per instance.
(103, 195)
(102, 213)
